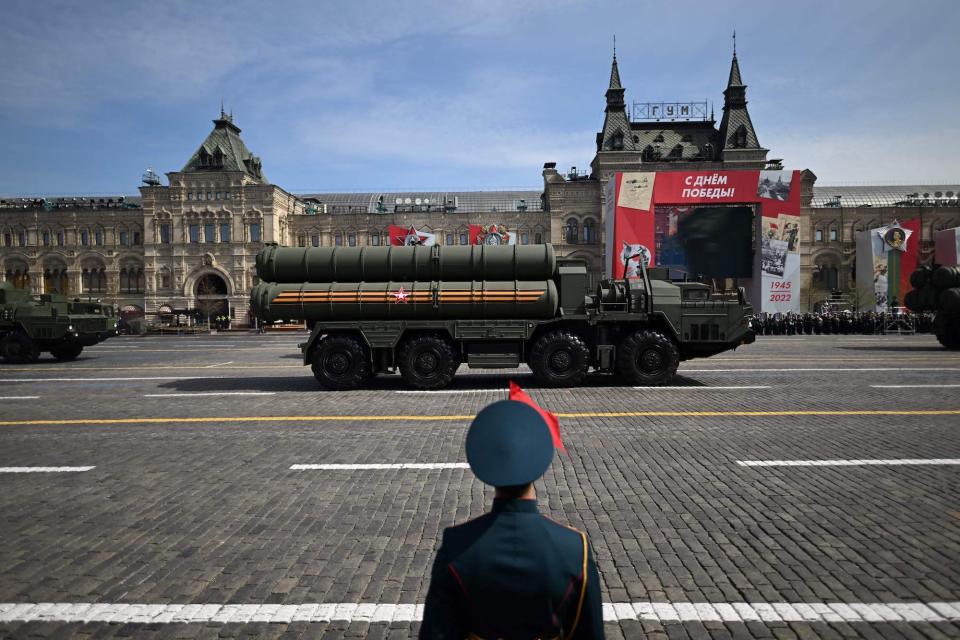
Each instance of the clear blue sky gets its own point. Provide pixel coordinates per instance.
(357, 94)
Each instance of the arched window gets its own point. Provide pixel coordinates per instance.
(124, 281)
(22, 238)
(590, 232)
(46, 237)
(61, 238)
(572, 231)
(98, 237)
(141, 284)
(124, 237)
(85, 238)
(137, 237)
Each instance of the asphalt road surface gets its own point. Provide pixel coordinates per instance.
(204, 487)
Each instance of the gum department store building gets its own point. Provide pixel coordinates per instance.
(192, 244)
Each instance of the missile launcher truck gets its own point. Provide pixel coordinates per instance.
(425, 310)
(30, 325)
(937, 289)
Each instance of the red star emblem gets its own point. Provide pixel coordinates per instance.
(401, 295)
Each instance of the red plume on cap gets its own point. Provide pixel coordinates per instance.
(553, 423)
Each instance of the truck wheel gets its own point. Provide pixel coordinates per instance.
(341, 363)
(428, 361)
(648, 358)
(67, 352)
(948, 332)
(560, 359)
(17, 348)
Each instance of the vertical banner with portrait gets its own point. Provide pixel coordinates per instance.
(716, 226)
(778, 261)
(947, 247)
(886, 257)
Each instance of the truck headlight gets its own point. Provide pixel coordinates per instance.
(116, 324)
(70, 328)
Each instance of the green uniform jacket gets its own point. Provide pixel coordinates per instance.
(513, 574)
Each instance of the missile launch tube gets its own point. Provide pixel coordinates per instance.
(406, 264)
(410, 300)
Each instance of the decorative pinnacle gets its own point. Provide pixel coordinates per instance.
(614, 46)
(734, 43)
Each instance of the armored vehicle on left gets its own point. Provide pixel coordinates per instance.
(30, 325)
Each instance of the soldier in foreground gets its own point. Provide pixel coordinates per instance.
(512, 573)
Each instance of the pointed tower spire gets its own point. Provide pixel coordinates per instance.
(738, 140)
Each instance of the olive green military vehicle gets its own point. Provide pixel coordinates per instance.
(937, 289)
(30, 325)
(427, 310)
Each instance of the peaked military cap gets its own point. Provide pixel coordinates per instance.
(509, 444)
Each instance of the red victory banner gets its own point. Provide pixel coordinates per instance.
(410, 236)
(491, 234)
(711, 225)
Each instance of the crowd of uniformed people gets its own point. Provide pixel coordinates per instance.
(841, 322)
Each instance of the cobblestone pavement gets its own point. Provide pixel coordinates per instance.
(192, 500)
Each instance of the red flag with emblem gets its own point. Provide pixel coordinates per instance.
(518, 394)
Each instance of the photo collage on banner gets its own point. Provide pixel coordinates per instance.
(723, 227)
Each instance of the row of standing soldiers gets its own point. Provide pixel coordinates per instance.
(844, 323)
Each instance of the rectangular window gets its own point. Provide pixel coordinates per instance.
(136, 238)
(833, 235)
(224, 232)
(301, 241)
(209, 195)
(352, 239)
(7, 240)
(316, 241)
(463, 238)
(123, 237)
(226, 195)
(818, 235)
(219, 193)
(538, 238)
(61, 239)
(165, 233)
(46, 238)
(85, 238)
(375, 239)
(338, 240)
(210, 232)
(449, 238)
(524, 238)
(254, 232)
(194, 233)
(189, 195)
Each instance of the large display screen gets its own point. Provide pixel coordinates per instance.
(712, 242)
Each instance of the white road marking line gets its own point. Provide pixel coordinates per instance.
(44, 469)
(111, 379)
(701, 388)
(454, 390)
(380, 613)
(847, 463)
(210, 393)
(219, 364)
(366, 467)
(915, 386)
(818, 370)
(19, 397)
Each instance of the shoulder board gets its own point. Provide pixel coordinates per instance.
(565, 526)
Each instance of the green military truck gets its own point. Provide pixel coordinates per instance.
(30, 325)
(427, 310)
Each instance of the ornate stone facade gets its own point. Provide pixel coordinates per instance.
(192, 244)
